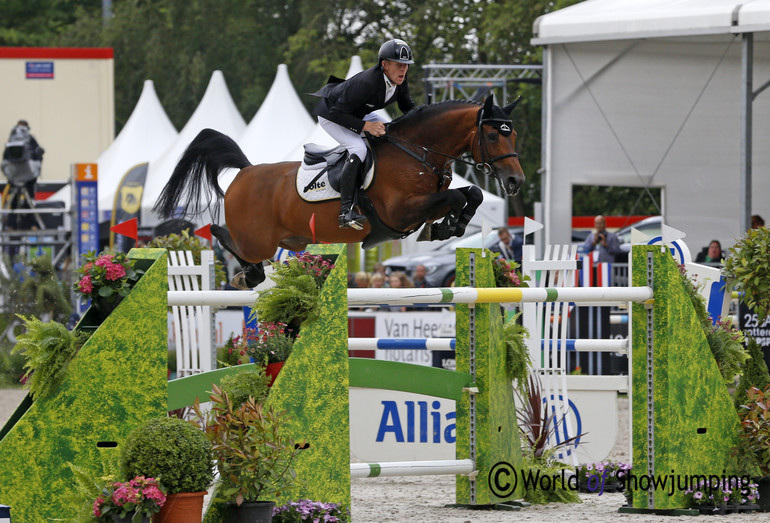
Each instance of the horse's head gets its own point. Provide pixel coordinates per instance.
(494, 146)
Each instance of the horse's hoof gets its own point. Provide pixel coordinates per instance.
(239, 281)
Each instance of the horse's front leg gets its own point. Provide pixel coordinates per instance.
(434, 207)
(473, 198)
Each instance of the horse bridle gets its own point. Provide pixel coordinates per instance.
(484, 166)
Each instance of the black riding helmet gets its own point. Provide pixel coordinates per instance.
(396, 51)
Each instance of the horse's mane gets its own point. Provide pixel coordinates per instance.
(422, 112)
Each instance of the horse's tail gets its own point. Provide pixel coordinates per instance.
(197, 172)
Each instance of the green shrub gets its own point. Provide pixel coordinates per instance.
(170, 449)
(517, 361)
(749, 264)
(185, 242)
(48, 348)
(241, 385)
(11, 368)
(755, 374)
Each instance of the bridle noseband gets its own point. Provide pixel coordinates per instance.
(485, 166)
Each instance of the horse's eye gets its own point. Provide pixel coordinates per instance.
(492, 137)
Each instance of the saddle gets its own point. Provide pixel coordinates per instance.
(329, 161)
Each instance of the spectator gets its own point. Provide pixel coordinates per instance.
(377, 281)
(362, 280)
(399, 280)
(603, 241)
(419, 280)
(757, 221)
(379, 268)
(711, 254)
(509, 245)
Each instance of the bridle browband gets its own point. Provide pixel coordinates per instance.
(485, 166)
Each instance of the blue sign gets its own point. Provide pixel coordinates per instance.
(38, 70)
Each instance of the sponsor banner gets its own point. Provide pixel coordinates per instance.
(39, 70)
(390, 425)
(440, 324)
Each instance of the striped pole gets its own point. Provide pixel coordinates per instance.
(360, 297)
(580, 345)
(412, 468)
(401, 343)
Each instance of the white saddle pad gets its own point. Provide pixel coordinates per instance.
(321, 190)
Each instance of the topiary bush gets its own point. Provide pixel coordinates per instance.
(239, 387)
(170, 449)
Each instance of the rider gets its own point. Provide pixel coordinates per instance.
(346, 108)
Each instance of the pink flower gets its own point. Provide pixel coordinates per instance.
(115, 271)
(97, 507)
(153, 492)
(103, 260)
(85, 284)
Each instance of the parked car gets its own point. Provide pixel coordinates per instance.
(440, 262)
(652, 227)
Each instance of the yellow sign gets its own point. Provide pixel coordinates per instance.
(131, 198)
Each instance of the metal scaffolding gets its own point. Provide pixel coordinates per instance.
(474, 81)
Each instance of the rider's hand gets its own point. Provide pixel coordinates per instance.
(374, 128)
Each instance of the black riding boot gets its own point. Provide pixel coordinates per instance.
(348, 183)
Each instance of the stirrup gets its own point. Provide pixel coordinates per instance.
(352, 219)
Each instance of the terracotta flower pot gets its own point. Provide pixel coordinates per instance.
(272, 370)
(184, 507)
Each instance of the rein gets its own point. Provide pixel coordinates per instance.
(485, 166)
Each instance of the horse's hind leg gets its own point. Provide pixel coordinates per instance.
(252, 274)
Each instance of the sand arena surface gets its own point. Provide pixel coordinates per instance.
(424, 499)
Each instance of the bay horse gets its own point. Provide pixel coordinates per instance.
(263, 209)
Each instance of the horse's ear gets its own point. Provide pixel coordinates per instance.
(508, 109)
(488, 104)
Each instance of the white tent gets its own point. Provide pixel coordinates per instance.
(216, 110)
(279, 125)
(658, 93)
(146, 134)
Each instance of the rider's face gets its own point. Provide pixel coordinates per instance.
(396, 72)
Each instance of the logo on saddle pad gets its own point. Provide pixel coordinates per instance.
(313, 185)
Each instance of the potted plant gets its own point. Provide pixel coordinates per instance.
(603, 476)
(269, 346)
(507, 273)
(307, 510)
(726, 496)
(105, 278)
(253, 457)
(753, 450)
(295, 298)
(178, 453)
(134, 501)
(48, 347)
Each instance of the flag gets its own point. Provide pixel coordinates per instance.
(204, 232)
(129, 228)
(603, 274)
(128, 205)
(312, 226)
